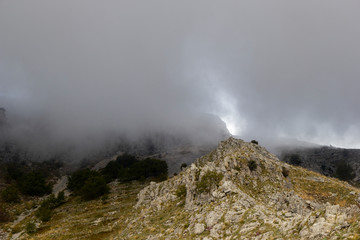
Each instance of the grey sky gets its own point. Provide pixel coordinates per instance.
(268, 68)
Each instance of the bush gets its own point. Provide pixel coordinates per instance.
(252, 165)
(34, 184)
(126, 160)
(78, 178)
(112, 171)
(94, 187)
(184, 165)
(88, 184)
(285, 172)
(30, 228)
(181, 191)
(10, 194)
(254, 142)
(14, 171)
(295, 159)
(44, 213)
(344, 171)
(4, 214)
(149, 167)
(53, 202)
(208, 181)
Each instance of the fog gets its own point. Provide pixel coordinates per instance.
(77, 71)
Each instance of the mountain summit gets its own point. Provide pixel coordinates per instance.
(241, 191)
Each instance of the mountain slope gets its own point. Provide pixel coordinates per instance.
(238, 191)
(241, 191)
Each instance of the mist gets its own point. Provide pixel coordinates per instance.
(84, 72)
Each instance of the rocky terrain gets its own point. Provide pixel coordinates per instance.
(241, 191)
(237, 191)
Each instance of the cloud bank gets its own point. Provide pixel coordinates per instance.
(269, 69)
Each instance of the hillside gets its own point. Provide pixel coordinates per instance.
(238, 191)
(330, 161)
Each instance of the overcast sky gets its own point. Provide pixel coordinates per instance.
(267, 68)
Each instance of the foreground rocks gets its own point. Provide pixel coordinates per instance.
(241, 191)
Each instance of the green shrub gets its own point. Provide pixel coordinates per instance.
(10, 194)
(252, 165)
(126, 160)
(285, 172)
(344, 171)
(53, 202)
(44, 213)
(184, 165)
(14, 171)
(33, 184)
(208, 181)
(4, 214)
(181, 191)
(112, 171)
(254, 142)
(150, 167)
(295, 159)
(78, 178)
(30, 228)
(94, 187)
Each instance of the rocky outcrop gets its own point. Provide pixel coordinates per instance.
(241, 191)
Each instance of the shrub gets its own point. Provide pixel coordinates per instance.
(252, 165)
(14, 171)
(126, 160)
(10, 194)
(30, 228)
(53, 202)
(34, 184)
(184, 165)
(94, 187)
(285, 172)
(295, 159)
(4, 214)
(149, 167)
(181, 191)
(344, 171)
(208, 181)
(111, 171)
(78, 179)
(44, 213)
(254, 142)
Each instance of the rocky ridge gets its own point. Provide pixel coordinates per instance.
(241, 191)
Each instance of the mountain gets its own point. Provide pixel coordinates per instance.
(237, 191)
(241, 191)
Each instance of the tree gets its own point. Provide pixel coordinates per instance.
(34, 184)
(10, 194)
(126, 160)
(184, 165)
(252, 165)
(88, 184)
(78, 178)
(295, 159)
(254, 142)
(94, 187)
(344, 171)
